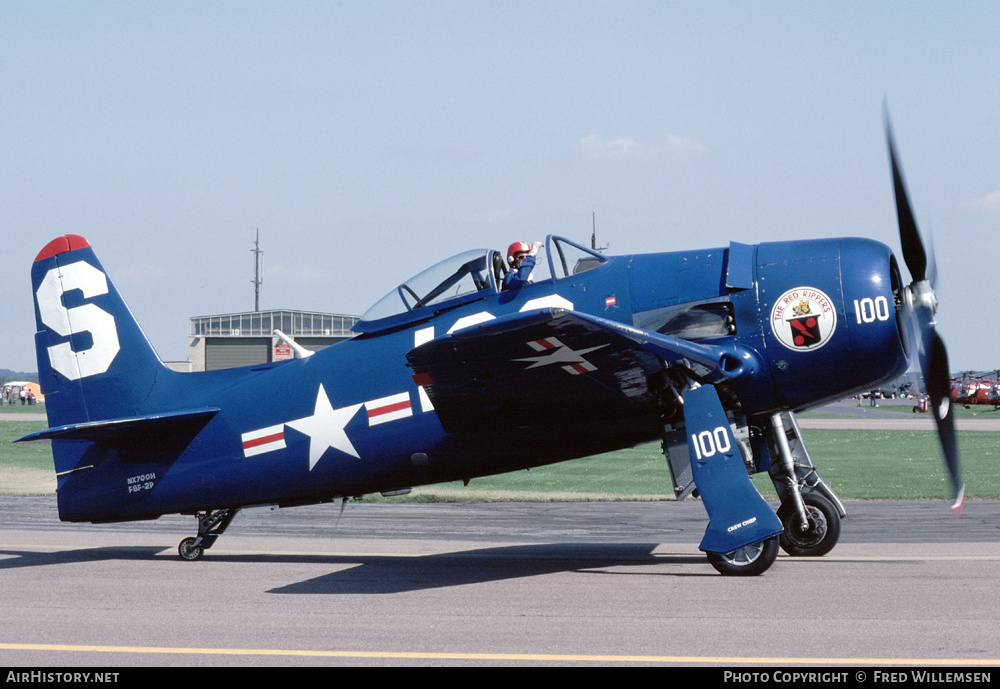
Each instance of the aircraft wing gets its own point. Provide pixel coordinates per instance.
(550, 366)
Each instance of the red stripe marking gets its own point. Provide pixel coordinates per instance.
(578, 368)
(388, 409)
(423, 379)
(247, 444)
(546, 344)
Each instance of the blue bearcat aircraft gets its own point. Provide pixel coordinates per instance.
(712, 352)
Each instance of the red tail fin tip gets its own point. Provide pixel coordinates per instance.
(60, 245)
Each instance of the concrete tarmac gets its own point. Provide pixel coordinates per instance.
(494, 584)
(891, 415)
(501, 584)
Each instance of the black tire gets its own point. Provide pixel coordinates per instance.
(749, 561)
(822, 534)
(189, 551)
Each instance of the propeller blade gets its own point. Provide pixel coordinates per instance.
(931, 261)
(922, 306)
(914, 254)
(935, 366)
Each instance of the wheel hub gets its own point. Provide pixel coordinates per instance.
(745, 555)
(813, 534)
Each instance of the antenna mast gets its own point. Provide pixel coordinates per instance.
(593, 236)
(258, 271)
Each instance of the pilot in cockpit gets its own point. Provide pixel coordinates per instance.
(521, 259)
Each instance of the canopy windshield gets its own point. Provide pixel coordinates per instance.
(466, 277)
(464, 274)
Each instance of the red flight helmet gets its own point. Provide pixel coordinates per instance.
(517, 248)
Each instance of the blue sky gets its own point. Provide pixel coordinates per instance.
(367, 140)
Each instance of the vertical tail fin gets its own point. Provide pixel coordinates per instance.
(94, 361)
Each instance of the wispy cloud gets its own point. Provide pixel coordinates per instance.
(673, 148)
(988, 205)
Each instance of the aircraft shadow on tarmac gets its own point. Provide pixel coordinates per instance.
(384, 574)
(15, 559)
(393, 574)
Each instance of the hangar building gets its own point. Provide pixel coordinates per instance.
(244, 339)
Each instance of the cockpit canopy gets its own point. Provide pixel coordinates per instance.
(466, 273)
(462, 278)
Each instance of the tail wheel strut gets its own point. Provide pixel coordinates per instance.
(211, 525)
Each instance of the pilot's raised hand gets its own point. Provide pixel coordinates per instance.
(535, 248)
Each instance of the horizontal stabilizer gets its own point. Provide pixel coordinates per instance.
(120, 429)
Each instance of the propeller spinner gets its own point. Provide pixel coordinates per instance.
(920, 304)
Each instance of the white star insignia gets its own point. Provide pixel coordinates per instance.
(556, 352)
(564, 355)
(325, 428)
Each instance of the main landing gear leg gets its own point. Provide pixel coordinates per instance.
(810, 512)
(211, 524)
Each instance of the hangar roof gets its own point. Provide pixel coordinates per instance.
(264, 323)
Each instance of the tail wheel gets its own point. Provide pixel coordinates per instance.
(190, 550)
(822, 532)
(748, 561)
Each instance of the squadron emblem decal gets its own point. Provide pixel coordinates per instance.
(803, 319)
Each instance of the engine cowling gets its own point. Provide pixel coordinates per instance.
(825, 318)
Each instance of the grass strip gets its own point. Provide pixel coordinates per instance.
(857, 464)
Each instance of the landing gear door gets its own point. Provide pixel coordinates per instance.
(738, 515)
(679, 461)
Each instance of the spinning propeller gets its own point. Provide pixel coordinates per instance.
(920, 304)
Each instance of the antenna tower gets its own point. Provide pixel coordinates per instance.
(258, 271)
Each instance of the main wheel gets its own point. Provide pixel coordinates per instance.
(748, 561)
(822, 533)
(190, 550)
